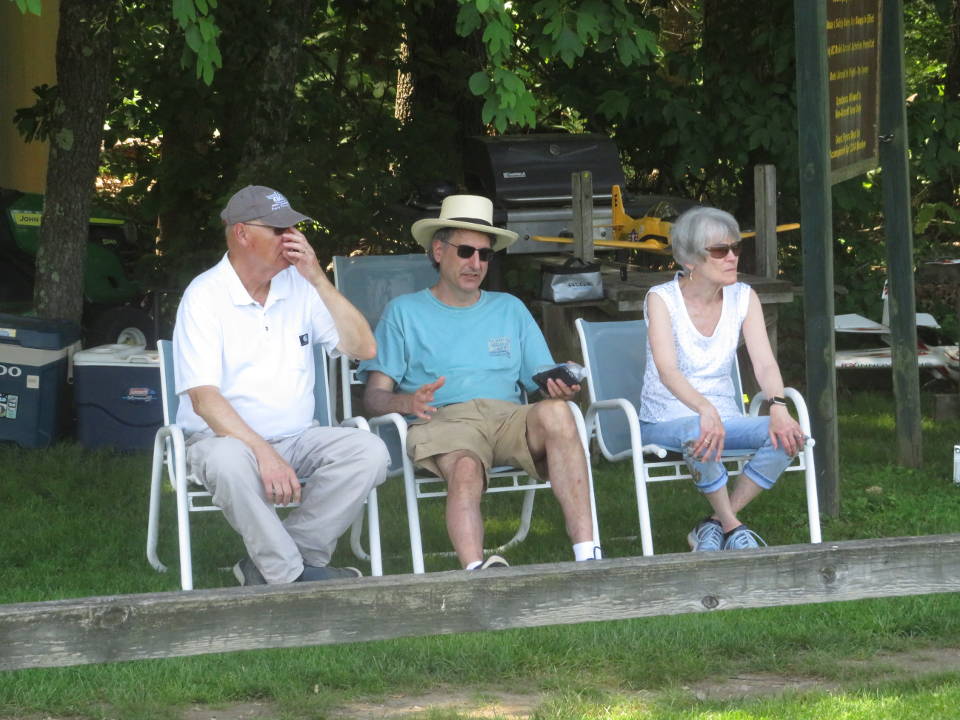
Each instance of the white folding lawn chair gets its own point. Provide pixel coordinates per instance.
(614, 355)
(169, 453)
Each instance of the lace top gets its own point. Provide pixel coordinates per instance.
(706, 361)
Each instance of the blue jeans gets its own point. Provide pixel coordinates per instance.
(743, 434)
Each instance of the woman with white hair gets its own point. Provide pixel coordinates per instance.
(694, 324)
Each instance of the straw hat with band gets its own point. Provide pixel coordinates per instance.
(466, 212)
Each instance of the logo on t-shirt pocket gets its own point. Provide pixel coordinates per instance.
(304, 340)
(499, 347)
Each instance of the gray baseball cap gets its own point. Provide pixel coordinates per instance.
(256, 202)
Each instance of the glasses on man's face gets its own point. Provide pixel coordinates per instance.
(719, 252)
(278, 231)
(467, 251)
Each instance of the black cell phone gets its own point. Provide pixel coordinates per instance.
(558, 373)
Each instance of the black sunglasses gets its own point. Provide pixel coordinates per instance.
(719, 252)
(467, 251)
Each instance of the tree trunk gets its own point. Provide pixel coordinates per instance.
(272, 85)
(441, 105)
(84, 55)
(952, 85)
(184, 180)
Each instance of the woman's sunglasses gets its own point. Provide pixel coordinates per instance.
(467, 251)
(719, 252)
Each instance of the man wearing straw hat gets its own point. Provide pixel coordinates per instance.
(451, 357)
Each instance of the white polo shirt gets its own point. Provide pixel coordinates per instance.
(260, 357)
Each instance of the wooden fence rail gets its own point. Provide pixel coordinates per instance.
(133, 627)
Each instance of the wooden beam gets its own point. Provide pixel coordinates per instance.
(816, 219)
(898, 228)
(135, 627)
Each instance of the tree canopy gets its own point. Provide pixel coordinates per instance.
(354, 107)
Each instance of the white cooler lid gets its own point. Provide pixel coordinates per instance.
(125, 355)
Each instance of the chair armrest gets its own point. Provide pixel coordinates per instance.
(633, 421)
(400, 424)
(395, 419)
(356, 422)
(799, 405)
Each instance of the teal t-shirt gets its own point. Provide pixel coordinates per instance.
(482, 350)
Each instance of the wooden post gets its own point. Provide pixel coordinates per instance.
(765, 224)
(582, 194)
(765, 211)
(899, 236)
(810, 22)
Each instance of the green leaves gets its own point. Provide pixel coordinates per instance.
(479, 83)
(523, 40)
(498, 38)
(614, 104)
(200, 31)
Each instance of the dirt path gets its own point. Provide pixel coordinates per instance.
(479, 704)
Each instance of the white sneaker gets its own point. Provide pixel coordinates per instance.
(494, 561)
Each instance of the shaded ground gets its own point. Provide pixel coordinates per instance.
(474, 703)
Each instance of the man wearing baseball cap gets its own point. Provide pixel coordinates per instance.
(451, 357)
(244, 370)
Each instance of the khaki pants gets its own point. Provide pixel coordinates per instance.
(339, 467)
(493, 430)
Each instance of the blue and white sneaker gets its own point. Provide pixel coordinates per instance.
(742, 538)
(707, 536)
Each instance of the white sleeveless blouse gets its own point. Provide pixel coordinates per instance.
(705, 361)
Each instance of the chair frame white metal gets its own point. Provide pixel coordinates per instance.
(392, 428)
(676, 469)
(169, 455)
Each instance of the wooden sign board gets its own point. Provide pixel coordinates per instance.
(853, 67)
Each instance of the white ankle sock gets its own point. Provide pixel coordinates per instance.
(474, 565)
(585, 551)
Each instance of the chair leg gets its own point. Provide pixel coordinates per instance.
(183, 513)
(526, 513)
(813, 499)
(356, 538)
(160, 448)
(413, 515)
(643, 503)
(183, 531)
(373, 522)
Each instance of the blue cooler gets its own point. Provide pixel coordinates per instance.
(116, 391)
(33, 377)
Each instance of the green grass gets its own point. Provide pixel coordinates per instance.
(75, 524)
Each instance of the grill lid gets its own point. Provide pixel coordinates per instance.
(526, 170)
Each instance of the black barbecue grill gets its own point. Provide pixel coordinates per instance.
(528, 179)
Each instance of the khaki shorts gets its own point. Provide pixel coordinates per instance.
(494, 430)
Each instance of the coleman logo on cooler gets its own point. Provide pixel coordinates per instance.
(140, 394)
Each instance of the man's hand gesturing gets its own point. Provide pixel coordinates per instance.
(422, 397)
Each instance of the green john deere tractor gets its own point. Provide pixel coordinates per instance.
(116, 309)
